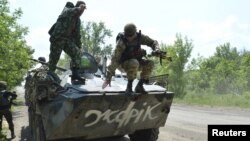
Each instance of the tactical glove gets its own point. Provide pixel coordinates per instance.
(107, 80)
(109, 76)
(106, 83)
(156, 45)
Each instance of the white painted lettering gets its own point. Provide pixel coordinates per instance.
(95, 112)
(130, 114)
(149, 112)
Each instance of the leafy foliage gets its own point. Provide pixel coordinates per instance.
(14, 52)
(226, 72)
(180, 52)
(93, 39)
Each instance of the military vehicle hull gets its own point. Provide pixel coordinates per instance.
(103, 115)
(67, 111)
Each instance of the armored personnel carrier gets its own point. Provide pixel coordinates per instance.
(59, 109)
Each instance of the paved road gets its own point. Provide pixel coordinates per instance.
(189, 123)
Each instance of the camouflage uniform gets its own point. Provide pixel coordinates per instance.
(132, 64)
(65, 35)
(5, 107)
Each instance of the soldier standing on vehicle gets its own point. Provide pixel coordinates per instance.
(65, 35)
(128, 55)
(5, 105)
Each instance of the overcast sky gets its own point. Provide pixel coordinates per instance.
(208, 23)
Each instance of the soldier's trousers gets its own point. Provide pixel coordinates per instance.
(132, 66)
(8, 116)
(69, 47)
(1, 122)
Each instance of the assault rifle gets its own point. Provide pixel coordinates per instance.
(13, 96)
(160, 54)
(44, 63)
(11, 100)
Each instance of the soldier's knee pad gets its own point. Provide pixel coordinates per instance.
(133, 63)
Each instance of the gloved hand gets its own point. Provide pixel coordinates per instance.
(106, 83)
(157, 50)
(156, 46)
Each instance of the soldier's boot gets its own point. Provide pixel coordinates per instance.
(139, 87)
(12, 133)
(75, 75)
(129, 90)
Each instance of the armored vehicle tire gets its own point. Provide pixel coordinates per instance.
(38, 133)
(145, 135)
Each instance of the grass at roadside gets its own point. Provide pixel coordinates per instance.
(2, 135)
(4, 131)
(228, 100)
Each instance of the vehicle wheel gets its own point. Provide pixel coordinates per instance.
(145, 135)
(38, 133)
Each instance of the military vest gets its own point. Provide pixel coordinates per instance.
(132, 51)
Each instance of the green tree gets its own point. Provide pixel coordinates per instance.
(197, 76)
(226, 72)
(14, 52)
(245, 68)
(180, 52)
(63, 63)
(93, 38)
(222, 71)
(225, 77)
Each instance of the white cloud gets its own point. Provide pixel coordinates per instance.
(244, 26)
(207, 35)
(12, 2)
(38, 39)
(97, 16)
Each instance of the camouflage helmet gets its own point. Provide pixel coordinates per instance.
(129, 29)
(42, 59)
(3, 85)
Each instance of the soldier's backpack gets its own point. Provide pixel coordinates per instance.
(3, 100)
(68, 5)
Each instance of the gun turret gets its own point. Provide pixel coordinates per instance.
(44, 63)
